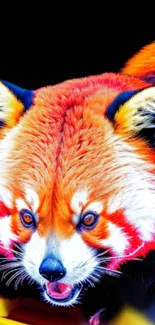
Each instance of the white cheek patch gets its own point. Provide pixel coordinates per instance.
(32, 198)
(136, 192)
(114, 203)
(34, 253)
(79, 199)
(147, 228)
(78, 259)
(6, 235)
(117, 240)
(140, 209)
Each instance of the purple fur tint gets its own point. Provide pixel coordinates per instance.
(150, 78)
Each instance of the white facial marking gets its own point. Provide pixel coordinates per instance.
(117, 240)
(136, 191)
(140, 207)
(6, 234)
(32, 198)
(95, 207)
(75, 219)
(6, 196)
(114, 203)
(20, 204)
(79, 200)
(78, 259)
(34, 253)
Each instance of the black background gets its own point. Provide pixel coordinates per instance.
(64, 45)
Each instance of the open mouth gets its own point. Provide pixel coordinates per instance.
(61, 293)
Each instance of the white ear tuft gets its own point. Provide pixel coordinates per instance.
(137, 113)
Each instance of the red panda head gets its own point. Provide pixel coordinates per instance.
(77, 180)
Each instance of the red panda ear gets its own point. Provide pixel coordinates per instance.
(14, 101)
(136, 117)
(142, 64)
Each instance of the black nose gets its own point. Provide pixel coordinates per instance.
(52, 269)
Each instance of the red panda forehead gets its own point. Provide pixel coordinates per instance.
(56, 112)
(63, 135)
(36, 145)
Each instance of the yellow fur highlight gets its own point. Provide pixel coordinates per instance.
(131, 317)
(10, 107)
(136, 113)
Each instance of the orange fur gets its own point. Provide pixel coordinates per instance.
(65, 143)
(141, 63)
(62, 135)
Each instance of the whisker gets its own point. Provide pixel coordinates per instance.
(93, 278)
(102, 254)
(6, 258)
(4, 267)
(117, 257)
(19, 247)
(6, 273)
(82, 264)
(92, 258)
(31, 262)
(103, 269)
(7, 261)
(20, 280)
(91, 283)
(30, 280)
(128, 255)
(13, 277)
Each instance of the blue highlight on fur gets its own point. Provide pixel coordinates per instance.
(2, 124)
(119, 101)
(24, 95)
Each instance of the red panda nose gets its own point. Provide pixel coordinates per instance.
(52, 269)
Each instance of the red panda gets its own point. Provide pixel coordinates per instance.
(77, 177)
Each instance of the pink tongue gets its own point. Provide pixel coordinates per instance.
(58, 290)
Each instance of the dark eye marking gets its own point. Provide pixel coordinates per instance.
(27, 218)
(88, 220)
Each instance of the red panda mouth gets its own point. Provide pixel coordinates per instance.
(61, 292)
(58, 290)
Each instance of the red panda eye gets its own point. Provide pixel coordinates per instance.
(89, 220)
(27, 219)
(4, 211)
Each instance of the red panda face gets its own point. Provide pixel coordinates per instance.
(77, 182)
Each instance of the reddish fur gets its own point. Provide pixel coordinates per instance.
(4, 211)
(51, 130)
(68, 143)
